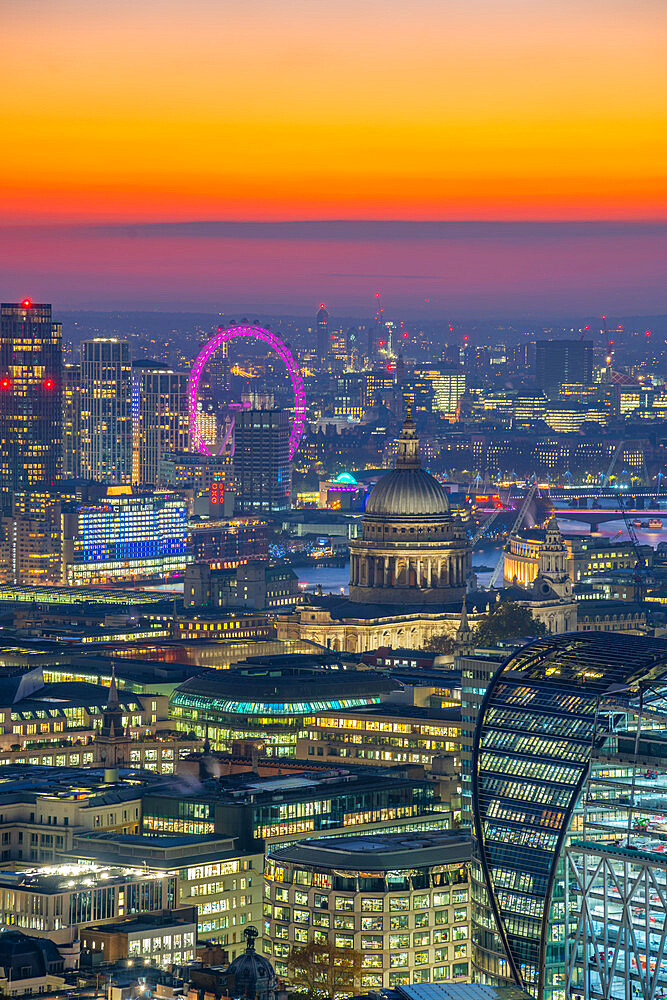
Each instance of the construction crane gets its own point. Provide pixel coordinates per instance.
(487, 524)
(515, 527)
(640, 565)
(610, 469)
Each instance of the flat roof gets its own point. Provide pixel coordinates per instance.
(161, 853)
(52, 879)
(381, 852)
(138, 924)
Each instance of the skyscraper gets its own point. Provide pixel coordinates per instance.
(568, 776)
(261, 460)
(30, 397)
(558, 361)
(159, 418)
(71, 421)
(322, 334)
(106, 413)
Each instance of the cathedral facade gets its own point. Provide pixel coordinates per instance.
(412, 549)
(411, 569)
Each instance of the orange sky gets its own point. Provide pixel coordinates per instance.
(405, 109)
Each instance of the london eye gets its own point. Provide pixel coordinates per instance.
(262, 336)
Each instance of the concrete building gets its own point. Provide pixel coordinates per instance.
(213, 875)
(401, 901)
(263, 812)
(29, 965)
(251, 585)
(61, 900)
(587, 556)
(163, 940)
(43, 808)
(261, 461)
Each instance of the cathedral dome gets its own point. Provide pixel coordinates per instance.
(404, 492)
(408, 490)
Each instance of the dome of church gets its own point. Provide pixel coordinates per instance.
(407, 491)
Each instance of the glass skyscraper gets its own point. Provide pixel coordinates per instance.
(106, 412)
(569, 792)
(30, 398)
(160, 418)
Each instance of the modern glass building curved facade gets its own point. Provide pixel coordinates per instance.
(558, 745)
(268, 698)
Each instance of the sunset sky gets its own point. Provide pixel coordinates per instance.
(131, 113)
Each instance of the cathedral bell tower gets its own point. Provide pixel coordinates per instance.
(552, 575)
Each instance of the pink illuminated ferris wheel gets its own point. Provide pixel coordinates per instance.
(265, 337)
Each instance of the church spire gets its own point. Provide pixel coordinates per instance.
(408, 444)
(464, 634)
(112, 700)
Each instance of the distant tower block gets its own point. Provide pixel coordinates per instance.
(323, 344)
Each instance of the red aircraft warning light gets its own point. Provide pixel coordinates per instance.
(5, 383)
(26, 303)
(48, 384)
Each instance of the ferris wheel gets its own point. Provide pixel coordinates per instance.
(223, 336)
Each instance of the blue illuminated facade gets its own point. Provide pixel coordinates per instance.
(127, 537)
(270, 698)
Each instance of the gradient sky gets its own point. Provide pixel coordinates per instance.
(135, 112)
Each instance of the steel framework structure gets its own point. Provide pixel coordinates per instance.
(616, 927)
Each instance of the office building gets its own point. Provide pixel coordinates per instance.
(126, 537)
(222, 882)
(71, 421)
(190, 469)
(568, 782)
(401, 901)
(253, 584)
(43, 808)
(558, 361)
(225, 544)
(159, 940)
(268, 698)
(267, 811)
(30, 398)
(261, 461)
(59, 900)
(160, 418)
(106, 411)
(323, 343)
(30, 539)
(29, 965)
(446, 387)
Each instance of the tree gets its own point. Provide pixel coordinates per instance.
(442, 644)
(324, 972)
(507, 620)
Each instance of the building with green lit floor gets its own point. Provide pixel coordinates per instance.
(268, 698)
(569, 808)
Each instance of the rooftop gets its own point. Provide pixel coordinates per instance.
(53, 879)
(380, 852)
(284, 684)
